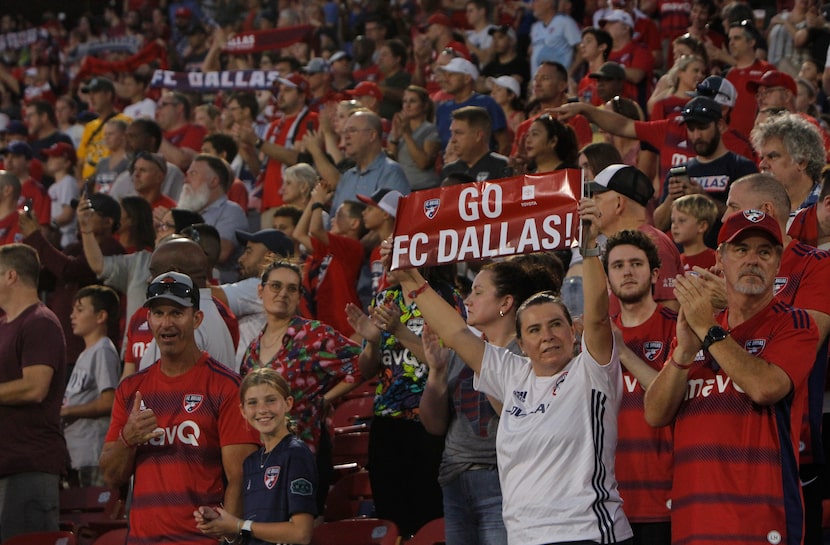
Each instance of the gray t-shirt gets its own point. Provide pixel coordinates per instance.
(471, 435)
(97, 370)
(419, 178)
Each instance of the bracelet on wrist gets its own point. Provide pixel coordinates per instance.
(124, 439)
(416, 292)
(682, 367)
(318, 206)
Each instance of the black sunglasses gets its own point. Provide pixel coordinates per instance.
(173, 288)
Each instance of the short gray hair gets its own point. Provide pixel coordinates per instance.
(303, 173)
(801, 139)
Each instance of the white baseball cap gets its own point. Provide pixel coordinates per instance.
(508, 82)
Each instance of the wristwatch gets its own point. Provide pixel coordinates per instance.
(715, 334)
(245, 530)
(596, 251)
(258, 143)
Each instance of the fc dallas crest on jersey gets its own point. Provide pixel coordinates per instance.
(272, 475)
(191, 402)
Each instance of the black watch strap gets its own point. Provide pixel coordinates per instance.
(715, 334)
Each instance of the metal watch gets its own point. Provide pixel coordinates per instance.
(715, 334)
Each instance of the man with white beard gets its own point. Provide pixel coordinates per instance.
(205, 191)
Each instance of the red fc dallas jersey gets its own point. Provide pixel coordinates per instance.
(735, 462)
(804, 226)
(801, 279)
(198, 413)
(644, 454)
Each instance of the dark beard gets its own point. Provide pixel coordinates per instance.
(708, 149)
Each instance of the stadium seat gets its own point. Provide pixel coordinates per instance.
(350, 450)
(431, 533)
(113, 537)
(356, 532)
(353, 415)
(43, 538)
(350, 497)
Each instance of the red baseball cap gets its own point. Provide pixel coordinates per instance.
(748, 220)
(458, 49)
(297, 81)
(439, 19)
(773, 78)
(183, 12)
(62, 149)
(366, 88)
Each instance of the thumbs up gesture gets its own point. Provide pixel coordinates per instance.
(141, 424)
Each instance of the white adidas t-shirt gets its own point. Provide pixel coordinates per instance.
(555, 448)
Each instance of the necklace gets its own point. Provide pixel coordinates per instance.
(261, 461)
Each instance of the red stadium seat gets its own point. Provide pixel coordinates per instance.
(113, 537)
(350, 450)
(356, 532)
(431, 533)
(43, 538)
(350, 497)
(353, 415)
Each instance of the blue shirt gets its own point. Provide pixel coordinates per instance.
(383, 172)
(279, 483)
(228, 218)
(554, 41)
(443, 116)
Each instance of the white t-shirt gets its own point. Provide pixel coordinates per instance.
(244, 302)
(61, 193)
(212, 336)
(555, 448)
(143, 108)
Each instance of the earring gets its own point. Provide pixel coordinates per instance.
(501, 313)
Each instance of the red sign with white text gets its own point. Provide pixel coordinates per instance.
(481, 220)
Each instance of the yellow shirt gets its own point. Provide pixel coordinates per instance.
(92, 148)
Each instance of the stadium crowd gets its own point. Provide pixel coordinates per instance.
(196, 204)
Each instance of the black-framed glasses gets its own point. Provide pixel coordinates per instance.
(452, 52)
(173, 288)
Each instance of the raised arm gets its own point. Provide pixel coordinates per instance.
(609, 121)
(597, 334)
(443, 318)
(92, 250)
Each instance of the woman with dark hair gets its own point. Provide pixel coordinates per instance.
(414, 141)
(629, 148)
(136, 230)
(174, 220)
(558, 431)
(550, 145)
(450, 405)
(318, 362)
(595, 157)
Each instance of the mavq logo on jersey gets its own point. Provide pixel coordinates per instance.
(191, 402)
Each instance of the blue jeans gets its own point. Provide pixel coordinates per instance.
(472, 509)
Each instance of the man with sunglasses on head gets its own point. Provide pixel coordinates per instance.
(183, 409)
